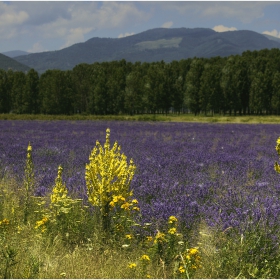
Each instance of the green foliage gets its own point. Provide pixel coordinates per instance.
(239, 84)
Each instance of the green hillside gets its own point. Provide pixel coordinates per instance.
(7, 63)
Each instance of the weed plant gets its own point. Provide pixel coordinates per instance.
(59, 236)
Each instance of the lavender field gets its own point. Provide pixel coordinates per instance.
(219, 173)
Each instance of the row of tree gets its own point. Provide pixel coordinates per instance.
(241, 84)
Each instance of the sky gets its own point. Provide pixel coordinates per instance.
(37, 26)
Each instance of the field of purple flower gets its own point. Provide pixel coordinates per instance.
(219, 173)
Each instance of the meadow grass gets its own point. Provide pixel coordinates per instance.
(29, 253)
(254, 119)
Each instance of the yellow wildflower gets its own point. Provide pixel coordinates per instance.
(108, 171)
(132, 265)
(4, 222)
(59, 192)
(41, 222)
(181, 269)
(128, 236)
(136, 208)
(149, 238)
(160, 237)
(135, 201)
(193, 251)
(145, 258)
(29, 148)
(125, 206)
(172, 230)
(172, 219)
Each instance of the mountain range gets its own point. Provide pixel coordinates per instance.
(151, 45)
(15, 53)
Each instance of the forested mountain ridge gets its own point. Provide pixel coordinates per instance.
(151, 46)
(7, 63)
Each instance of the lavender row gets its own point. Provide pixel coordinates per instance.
(220, 173)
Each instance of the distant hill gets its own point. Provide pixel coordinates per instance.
(272, 38)
(7, 63)
(152, 45)
(15, 53)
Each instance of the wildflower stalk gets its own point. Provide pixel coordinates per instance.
(185, 266)
(107, 175)
(276, 165)
(29, 181)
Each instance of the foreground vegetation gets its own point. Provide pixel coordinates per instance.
(151, 117)
(60, 236)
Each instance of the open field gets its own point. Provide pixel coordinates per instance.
(217, 179)
(149, 117)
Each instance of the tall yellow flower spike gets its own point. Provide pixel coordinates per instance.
(59, 192)
(108, 174)
(276, 165)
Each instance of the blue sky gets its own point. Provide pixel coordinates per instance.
(37, 26)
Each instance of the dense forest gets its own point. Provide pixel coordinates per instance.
(240, 84)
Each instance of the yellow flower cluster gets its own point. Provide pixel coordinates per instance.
(172, 219)
(132, 265)
(145, 258)
(172, 224)
(276, 165)
(4, 222)
(190, 262)
(172, 230)
(59, 192)
(120, 200)
(29, 173)
(128, 236)
(108, 174)
(149, 238)
(181, 269)
(193, 258)
(160, 237)
(42, 223)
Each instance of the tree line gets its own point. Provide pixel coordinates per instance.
(238, 84)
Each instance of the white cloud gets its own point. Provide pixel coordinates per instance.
(68, 22)
(221, 28)
(75, 35)
(125, 34)
(274, 33)
(167, 24)
(11, 21)
(37, 47)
